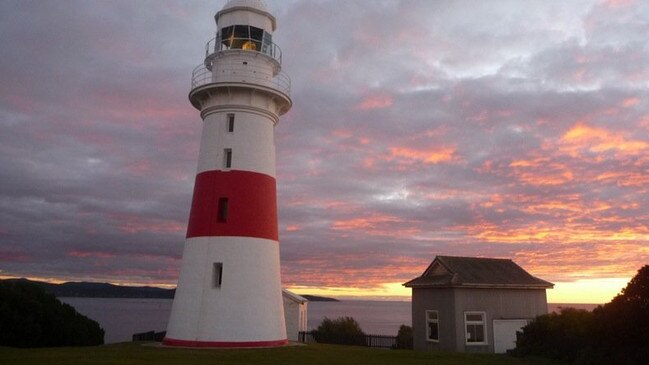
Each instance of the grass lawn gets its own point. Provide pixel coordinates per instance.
(138, 353)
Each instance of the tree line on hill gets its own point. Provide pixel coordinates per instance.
(100, 290)
(106, 290)
(31, 317)
(615, 333)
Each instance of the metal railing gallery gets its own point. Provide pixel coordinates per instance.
(266, 47)
(235, 72)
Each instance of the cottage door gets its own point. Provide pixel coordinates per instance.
(505, 333)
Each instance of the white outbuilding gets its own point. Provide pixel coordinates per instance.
(295, 314)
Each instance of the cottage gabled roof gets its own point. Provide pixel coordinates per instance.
(476, 272)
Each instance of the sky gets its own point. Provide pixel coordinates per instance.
(503, 129)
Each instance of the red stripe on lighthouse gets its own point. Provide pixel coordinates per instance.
(251, 205)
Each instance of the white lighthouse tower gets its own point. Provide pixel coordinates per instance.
(229, 292)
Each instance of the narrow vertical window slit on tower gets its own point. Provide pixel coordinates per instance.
(218, 274)
(230, 123)
(227, 155)
(223, 210)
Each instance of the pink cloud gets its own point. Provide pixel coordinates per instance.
(13, 256)
(85, 254)
(293, 228)
(629, 102)
(619, 3)
(379, 101)
(134, 224)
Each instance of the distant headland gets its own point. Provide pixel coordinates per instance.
(105, 290)
(101, 290)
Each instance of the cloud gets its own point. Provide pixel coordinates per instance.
(418, 128)
(375, 102)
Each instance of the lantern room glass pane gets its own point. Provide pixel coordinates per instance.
(267, 44)
(241, 31)
(256, 33)
(227, 35)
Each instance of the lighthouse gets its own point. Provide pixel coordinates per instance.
(229, 291)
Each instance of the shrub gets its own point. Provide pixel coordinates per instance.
(30, 317)
(563, 336)
(621, 327)
(404, 337)
(615, 333)
(343, 331)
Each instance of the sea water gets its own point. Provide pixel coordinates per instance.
(122, 317)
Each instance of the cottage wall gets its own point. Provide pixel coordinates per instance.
(292, 318)
(295, 315)
(451, 303)
(441, 300)
(498, 304)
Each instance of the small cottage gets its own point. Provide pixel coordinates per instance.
(470, 304)
(295, 314)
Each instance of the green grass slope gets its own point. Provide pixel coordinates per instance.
(138, 353)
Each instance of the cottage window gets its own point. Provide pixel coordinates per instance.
(432, 326)
(476, 328)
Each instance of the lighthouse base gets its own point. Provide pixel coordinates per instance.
(207, 344)
(229, 294)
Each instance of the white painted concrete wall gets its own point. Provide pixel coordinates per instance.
(248, 305)
(295, 314)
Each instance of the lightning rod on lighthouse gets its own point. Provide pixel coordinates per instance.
(229, 291)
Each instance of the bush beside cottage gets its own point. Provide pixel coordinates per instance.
(615, 333)
(342, 331)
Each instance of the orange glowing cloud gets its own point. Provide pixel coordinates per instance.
(377, 225)
(596, 261)
(549, 232)
(541, 172)
(364, 223)
(429, 156)
(351, 273)
(626, 178)
(585, 138)
(537, 162)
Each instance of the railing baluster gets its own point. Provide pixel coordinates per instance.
(372, 341)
